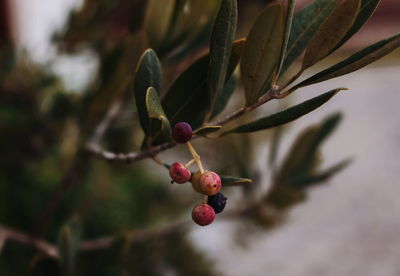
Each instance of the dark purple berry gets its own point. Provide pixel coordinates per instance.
(182, 132)
(217, 202)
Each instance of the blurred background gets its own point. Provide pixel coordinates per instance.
(64, 61)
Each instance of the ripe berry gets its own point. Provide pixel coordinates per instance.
(203, 214)
(182, 132)
(208, 183)
(179, 173)
(217, 202)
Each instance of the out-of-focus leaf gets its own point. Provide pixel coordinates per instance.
(262, 51)
(187, 99)
(188, 20)
(117, 70)
(367, 9)
(288, 28)
(322, 176)
(220, 49)
(331, 32)
(301, 159)
(68, 245)
(356, 61)
(206, 130)
(274, 146)
(305, 24)
(226, 94)
(287, 115)
(148, 74)
(160, 129)
(158, 20)
(228, 181)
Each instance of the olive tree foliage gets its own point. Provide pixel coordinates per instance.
(74, 200)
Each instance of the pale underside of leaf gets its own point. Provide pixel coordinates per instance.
(261, 51)
(331, 32)
(356, 61)
(305, 24)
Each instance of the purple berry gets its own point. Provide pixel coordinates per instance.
(179, 173)
(203, 214)
(217, 202)
(182, 132)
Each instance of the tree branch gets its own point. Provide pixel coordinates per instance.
(7, 233)
(94, 143)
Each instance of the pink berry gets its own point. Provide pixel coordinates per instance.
(182, 132)
(203, 214)
(179, 173)
(208, 183)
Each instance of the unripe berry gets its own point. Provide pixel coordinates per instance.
(182, 132)
(217, 202)
(208, 183)
(179, 173)
(203, 214)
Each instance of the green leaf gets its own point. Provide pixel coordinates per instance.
(148, 74)
(287, 115)
(228, 181)
(206, 130)
(288, 28)
(187, 99)
(160, 129)
(68, 245)
(367, 9)
(302, 158)
(331, 32)
(305, 24)
(226, 94)
(220, 49)
(261, 51)
(322, 176)
(355, 62)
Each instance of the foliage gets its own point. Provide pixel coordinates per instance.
(79, 215)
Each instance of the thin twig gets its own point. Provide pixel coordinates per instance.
(94, 147)
(8, 233)
(134, 236)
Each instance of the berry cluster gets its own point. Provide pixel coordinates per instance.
(204, 182)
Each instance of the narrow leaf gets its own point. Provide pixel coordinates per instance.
(288, 29)
(228, 181)
(323, 176)
(187, 99)
(262, 51)
(305, 24)
(206, 130)
(68, 245)
(303, 154)
(287, 115)
(368, 7)
(226, 94)
(148, 74)
(160, 129)
(220, 49)
(331, 32)
(356, 61)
